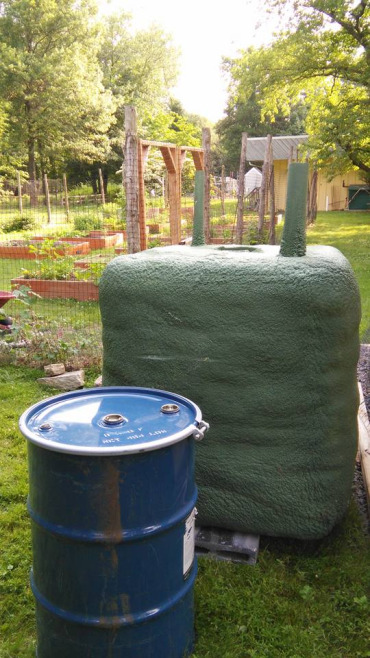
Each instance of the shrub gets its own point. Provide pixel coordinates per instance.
(19, 223)
(87, 223)
(250, 234)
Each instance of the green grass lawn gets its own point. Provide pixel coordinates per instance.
(350, 233)
(301, 600)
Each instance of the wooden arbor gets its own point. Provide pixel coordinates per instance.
(136, 154)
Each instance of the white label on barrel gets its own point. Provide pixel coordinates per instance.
(189, 543)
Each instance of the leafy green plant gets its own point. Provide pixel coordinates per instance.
(110, 220)
(250, 235)
(22, 222)
(60, 269)
(154, 243)
(91, 273)
(87, 223)
(46, 247)
(27, 298)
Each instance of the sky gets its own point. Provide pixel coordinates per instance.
(205, 31)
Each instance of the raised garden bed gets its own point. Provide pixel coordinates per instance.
(99, 239)
(64, 247)
(153, 228)
(52, 289)
(121, 236)
(220, 240)
(92, 260)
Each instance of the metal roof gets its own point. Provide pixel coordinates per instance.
(281, 147)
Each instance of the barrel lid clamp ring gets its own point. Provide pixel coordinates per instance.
(200, 431)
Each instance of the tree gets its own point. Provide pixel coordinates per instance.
(324, 54)
(338, 124)
(138, 68)
(50, 78)
(243, 114)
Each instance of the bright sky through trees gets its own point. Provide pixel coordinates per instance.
(205, 31)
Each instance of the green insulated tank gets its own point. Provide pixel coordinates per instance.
(267, 341)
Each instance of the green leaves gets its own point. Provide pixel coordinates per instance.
(52, 81)
(323, 57)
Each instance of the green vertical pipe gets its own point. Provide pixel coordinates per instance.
(198, 226)
(293, 241)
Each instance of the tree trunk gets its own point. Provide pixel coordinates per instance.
(31, 163)
(66, 200)
(31, 166)
(240, 204)
(94, 183)
(19, 186)
(47, 197)
(105, 183)
(101, 186)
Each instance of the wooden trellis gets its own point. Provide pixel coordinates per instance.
(136, 153)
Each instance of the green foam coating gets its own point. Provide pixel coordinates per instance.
(198, 226)
(293, 241)
(267, 346)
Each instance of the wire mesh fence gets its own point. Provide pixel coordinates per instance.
(53, 250)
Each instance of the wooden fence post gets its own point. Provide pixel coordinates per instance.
(19, 183)
(101, 184)
(131, 180)
(264, 186)
(240, 203)
(66, 200)
(47, 198)
(206, 145)
(272, 238)
(143, 152)
(223, 191)
(172, 156)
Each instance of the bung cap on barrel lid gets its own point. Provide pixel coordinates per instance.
(111, 420)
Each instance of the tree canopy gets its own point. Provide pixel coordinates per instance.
(322, 57)
(243, 114)
(65, 77)
(50, 79)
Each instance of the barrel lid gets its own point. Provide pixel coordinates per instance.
(110, 420)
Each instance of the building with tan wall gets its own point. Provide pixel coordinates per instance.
(331, 195)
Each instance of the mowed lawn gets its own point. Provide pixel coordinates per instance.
(350, 233)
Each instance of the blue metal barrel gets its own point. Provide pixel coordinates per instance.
(112, 503)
